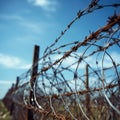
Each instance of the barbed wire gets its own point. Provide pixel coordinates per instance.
(64, 89)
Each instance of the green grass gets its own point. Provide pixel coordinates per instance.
(4, 114)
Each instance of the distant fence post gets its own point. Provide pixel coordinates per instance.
(33, 79)
(17, 82)
(87, 97)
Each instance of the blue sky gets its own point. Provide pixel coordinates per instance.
(24, 23)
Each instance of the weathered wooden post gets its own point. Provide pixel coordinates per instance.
(87, 100)
(33, 79)
(17, 82)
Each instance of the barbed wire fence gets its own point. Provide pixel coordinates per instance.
(82, 83)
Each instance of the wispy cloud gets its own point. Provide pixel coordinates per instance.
(13, 62)
(90, 60)
(47, 5)
(11, 17)
(108, 60)
(4, 86)
(8, 82)
(32, 26)
(70, 60)
(22, 22)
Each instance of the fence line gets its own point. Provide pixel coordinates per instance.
(58, 86)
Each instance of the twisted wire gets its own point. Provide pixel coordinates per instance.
(59, 90)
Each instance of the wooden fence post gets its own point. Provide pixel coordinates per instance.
(17, 82)
(33, 79)
(87, 97)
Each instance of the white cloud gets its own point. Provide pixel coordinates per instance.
(6, 82)
(47, 5)
(13, 62)
(4, 86)
(90, 60)
(71, 60)
(108, 61)
(11, 17)
(34, 27)
(115, 56)
(21, 20)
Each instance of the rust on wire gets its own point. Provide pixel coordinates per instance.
(59, 87)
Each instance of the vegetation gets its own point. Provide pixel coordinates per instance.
(4, 114)
(47, 94)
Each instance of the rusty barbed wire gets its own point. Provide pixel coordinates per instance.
(60, 90)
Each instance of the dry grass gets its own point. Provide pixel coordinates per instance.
(4, 114)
